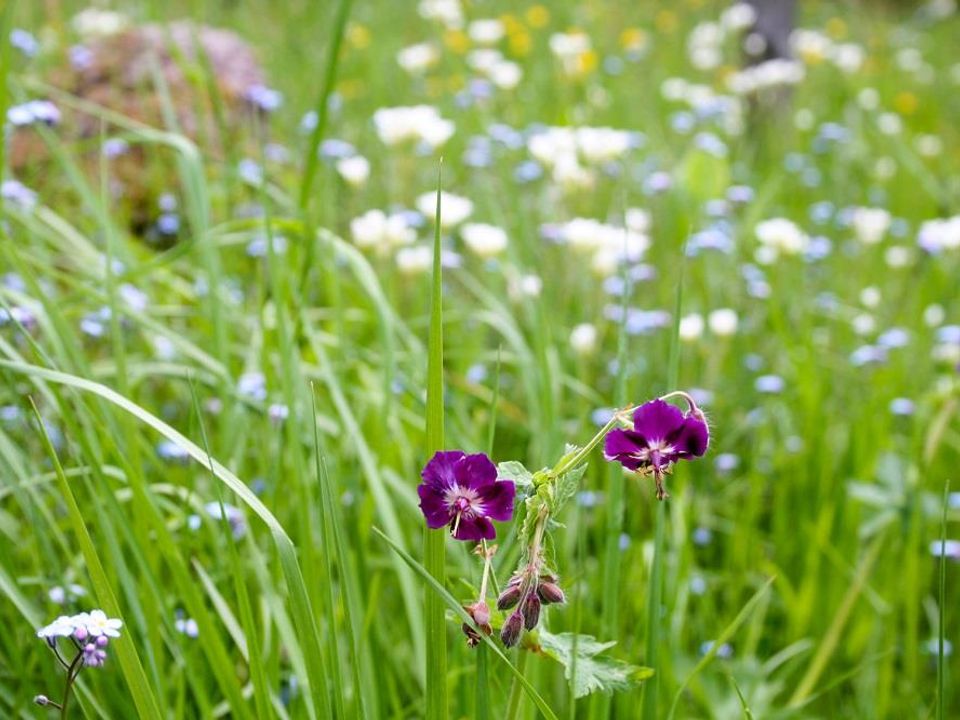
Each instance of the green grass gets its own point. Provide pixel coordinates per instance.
(810, 567)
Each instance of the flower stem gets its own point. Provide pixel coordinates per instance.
(585, 451)
(72, 671)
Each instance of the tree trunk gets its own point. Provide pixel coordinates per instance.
(774, 23)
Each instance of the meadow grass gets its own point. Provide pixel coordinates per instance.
(794, 570)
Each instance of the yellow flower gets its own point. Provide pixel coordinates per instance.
(587, 62)
(905, 103)
(350, 89)
(511, 24)
(457, 41)
(358, 36)
(665, 21)
(519, 43)
(538, 16)
(836, 28)
(633, 39)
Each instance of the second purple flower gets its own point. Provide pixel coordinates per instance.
(462, 491)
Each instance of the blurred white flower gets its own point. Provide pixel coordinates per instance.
(583, 339)
(446, 12)
(870, 296)
(737, 17)
(524, 286)
(396, 125)
(940, 234)
(934, 315)
(598, 145)
(863, 324)
(454, 209)
(691, 327)
(705, 45)
(487, 31)
(870, 224)
(381, 232)
(782, 237)
(898, 256)
(848, 57)
(765, 75)
(414, 260)
(416, 59)
(569, 48)
(505, 74)
(723, 322)
(638, 220)
(355, 170)
(95, 23)
(890, 123)
(484, 240)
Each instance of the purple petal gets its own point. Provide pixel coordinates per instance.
(622, 442)
(498, 499)
(434, 506)
(439, 472)
(476, 528)
(475, 472)
(657, 420)
(693, 438)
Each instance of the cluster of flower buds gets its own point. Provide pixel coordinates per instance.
(528, 592)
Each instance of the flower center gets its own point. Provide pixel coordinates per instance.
(657, 453)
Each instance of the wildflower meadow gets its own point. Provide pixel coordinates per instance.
(479, 359)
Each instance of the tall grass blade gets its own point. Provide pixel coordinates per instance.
(434, 541)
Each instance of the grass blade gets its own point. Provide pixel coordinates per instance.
(727, 633)
(434, 541)
(129, 661)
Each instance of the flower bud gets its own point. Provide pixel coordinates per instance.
(480, 612)
(550, 593)
(509, 597)
(80, 633)
(103, 641)
(531, 611)
(510, 633)
(41, 700)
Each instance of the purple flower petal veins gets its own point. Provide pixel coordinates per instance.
(462, 491)
(661, 435)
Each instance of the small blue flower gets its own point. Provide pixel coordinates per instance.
(769, 384)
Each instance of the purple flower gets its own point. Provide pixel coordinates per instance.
(662, 434)
(462, 491)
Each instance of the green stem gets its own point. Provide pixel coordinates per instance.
(516, 690)
(72, 673)
(435, 540)
(584, 452)
(651, 688)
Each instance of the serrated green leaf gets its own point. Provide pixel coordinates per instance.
(515, 471)
(579, 653)
(566, 487)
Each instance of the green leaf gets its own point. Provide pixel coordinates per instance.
(513, 470)
(566, 487)
(579, 654)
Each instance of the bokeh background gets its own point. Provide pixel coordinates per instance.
(639, 197)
